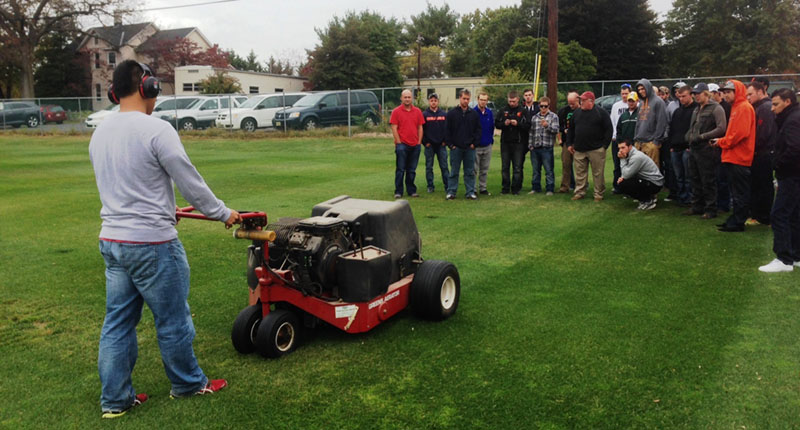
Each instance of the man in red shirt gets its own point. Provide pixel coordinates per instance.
(406, 121)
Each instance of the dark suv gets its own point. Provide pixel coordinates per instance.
(17, 113)
(330, 108)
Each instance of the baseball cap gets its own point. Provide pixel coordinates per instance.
(728, 86)
(700, 87)
(433, 96)
(713, 88)
(587, 95)
(633, 96)
(679, 84)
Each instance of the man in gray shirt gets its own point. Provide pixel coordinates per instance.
(641, 178)
(136, 159)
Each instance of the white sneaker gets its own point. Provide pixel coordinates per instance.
(649, 205)
(776, 266)
(641, 206)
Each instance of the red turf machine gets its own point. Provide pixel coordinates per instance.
(353, 264)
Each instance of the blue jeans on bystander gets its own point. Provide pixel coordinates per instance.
(439, 152)
(156, 274)
(680, 164)
(406, 158)
(458, 156)
(542, 157)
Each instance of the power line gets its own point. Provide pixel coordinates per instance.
(186, 5)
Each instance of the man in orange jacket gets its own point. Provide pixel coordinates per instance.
(738, 146)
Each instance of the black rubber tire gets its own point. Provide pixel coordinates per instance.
(435, 290)
(32, 121)
(370, 121)
(249, 124)
(310, 124)
(245, 328)
(187, 124)
(278, 334)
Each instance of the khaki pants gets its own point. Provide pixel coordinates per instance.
(483, 157)
(597, 158)
(566, 170)
(651, 150)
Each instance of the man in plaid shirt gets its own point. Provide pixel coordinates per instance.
(542, 138)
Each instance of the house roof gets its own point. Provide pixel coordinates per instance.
(119, 35)
(162, 35)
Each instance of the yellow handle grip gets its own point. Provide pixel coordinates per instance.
(264, 235)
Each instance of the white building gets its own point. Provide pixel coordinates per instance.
(187, 80)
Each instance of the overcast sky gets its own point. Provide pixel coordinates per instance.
(285, 29)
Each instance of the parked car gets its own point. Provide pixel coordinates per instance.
(93, 120)
(16, 114)
(167, 103)
(330, 108)
(257, 112)
(53, 113)
(607, 102)
(203, 112)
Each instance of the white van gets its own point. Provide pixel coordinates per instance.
(258, 111)
(202, 113)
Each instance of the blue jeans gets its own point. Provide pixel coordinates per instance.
(159, 276)
(539, 157)
(439, 152)
(458, 156)
(407, 158)
(680, 164)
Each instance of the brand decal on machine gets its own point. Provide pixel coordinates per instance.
(346, 311)
(384, 299)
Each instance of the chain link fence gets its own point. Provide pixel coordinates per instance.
(356, 110)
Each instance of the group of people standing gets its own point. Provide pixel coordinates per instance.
(713, 148)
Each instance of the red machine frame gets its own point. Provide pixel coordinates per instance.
(272, 288)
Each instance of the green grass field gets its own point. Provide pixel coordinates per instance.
(572, 314)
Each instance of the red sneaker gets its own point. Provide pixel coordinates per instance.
(211, 387)
(137, 400)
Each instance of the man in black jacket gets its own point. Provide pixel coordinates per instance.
(513, 123)
(762, 190)
(433, 132)
(462, 137)
(587, 141)
(678, 146)
(786, 210)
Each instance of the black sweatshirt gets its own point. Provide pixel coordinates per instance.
(679, 125)
(463, 128)
(512, 133)
(591, 129)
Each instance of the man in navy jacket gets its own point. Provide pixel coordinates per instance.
(462, 137)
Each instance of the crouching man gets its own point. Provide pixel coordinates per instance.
(641, 179)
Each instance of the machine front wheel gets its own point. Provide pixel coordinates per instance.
(278, 334)
(245, 328)
(435, 290)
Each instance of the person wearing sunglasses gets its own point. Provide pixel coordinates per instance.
(542, 138)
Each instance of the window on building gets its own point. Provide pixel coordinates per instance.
(458, 91)
(96, 60)
(198, 87)
(430, 91)
(278, 90)
(253, 90)
(187, 86)
(112, 59)
(98, 92)
(95, 41)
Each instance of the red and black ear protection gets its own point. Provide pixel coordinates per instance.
(149, 87)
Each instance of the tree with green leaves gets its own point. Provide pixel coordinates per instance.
(575, 63)
(431, 63)
(61, 71)
(357, 51)
(624, 35)
(220, 83)
(435, 25)
(751, 36)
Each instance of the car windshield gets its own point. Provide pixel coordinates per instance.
(196, 104)
(310, 100)
(251, 103)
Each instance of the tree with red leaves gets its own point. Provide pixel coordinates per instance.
(166, 55)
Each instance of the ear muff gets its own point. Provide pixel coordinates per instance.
(111, 95)
(149, 87)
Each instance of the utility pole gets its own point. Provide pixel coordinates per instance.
(419, 61)
(552, 56)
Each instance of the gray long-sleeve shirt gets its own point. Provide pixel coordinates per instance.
(136, 158)
(651, 125)
(637, 164)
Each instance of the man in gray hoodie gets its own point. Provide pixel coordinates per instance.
(651, 125)
(640, 178)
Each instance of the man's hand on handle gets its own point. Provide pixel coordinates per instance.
(235, 218)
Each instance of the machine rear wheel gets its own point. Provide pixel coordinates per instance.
(435, 290)
(278, 334)
(245, 328)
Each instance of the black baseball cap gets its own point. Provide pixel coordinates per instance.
(699, 88)
(433, 96)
